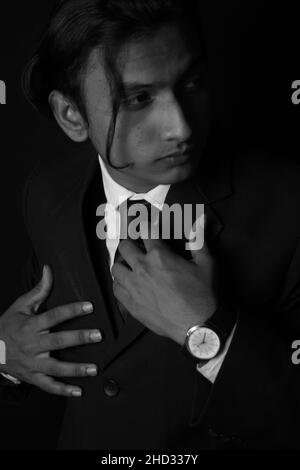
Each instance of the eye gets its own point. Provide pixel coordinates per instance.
(138, 100)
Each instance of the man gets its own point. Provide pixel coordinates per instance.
(130, 77)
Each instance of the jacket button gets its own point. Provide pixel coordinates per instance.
(111, 388)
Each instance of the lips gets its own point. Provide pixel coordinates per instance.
(177, 157)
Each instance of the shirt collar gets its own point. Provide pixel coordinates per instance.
(116, 194)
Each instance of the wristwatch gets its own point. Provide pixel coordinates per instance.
(205, 341)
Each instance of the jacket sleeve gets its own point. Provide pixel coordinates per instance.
(29, 276)
(255, 400)
(10, 392)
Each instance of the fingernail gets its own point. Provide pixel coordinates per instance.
(95, 335)
(76, 393)
(91, 370)
(88, 307)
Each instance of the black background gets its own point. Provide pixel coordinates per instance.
(254, 56)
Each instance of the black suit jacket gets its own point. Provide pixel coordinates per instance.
(148, 395)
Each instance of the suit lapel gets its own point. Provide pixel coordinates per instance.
(75, 259)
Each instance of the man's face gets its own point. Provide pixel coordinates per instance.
(166, 109)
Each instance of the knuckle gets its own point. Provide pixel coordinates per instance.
(78, 371)
(76, 309)
(27, 348)
(57, 340)
(83, 336)
(53, 370)
(63, 390)
(53, 388)
(155, 254)
(115, 271)
(41, 344)
(140, 267)
(56, 389)
(47, 389)
(27, 326)
(33, 366)
(55, 314)
(116, 289)
(37, 288)
(71, 310)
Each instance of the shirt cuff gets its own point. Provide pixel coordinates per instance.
(211, 369)
(11, 378)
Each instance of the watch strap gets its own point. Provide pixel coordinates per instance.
(222, 322)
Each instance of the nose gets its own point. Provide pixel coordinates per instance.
(174, 122)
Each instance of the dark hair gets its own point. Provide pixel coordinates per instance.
(76, 27)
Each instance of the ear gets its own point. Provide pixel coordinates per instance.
(68, 117)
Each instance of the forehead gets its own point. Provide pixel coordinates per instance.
(161, 57)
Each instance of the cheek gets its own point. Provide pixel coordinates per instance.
(144, 139)
(98, 129)
(137, 138)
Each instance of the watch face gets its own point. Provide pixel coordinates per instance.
(204, 343)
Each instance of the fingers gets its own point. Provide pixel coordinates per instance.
(50, 385)
(65, 339)
(31, 301)
(130, 252)
(121, 293)
(60, 314)
(121, 273)
(152, 244)
(133, 255)
(57, 368)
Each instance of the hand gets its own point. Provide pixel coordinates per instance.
(28, 341)
(162, 290)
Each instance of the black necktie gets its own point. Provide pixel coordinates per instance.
(130, 210)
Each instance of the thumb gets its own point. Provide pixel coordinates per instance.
(36, 296)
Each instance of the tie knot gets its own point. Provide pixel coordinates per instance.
(137, 216)
(137, 202)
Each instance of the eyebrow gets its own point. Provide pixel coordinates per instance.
(134, 86)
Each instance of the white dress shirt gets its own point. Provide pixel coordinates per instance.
(115, 195)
